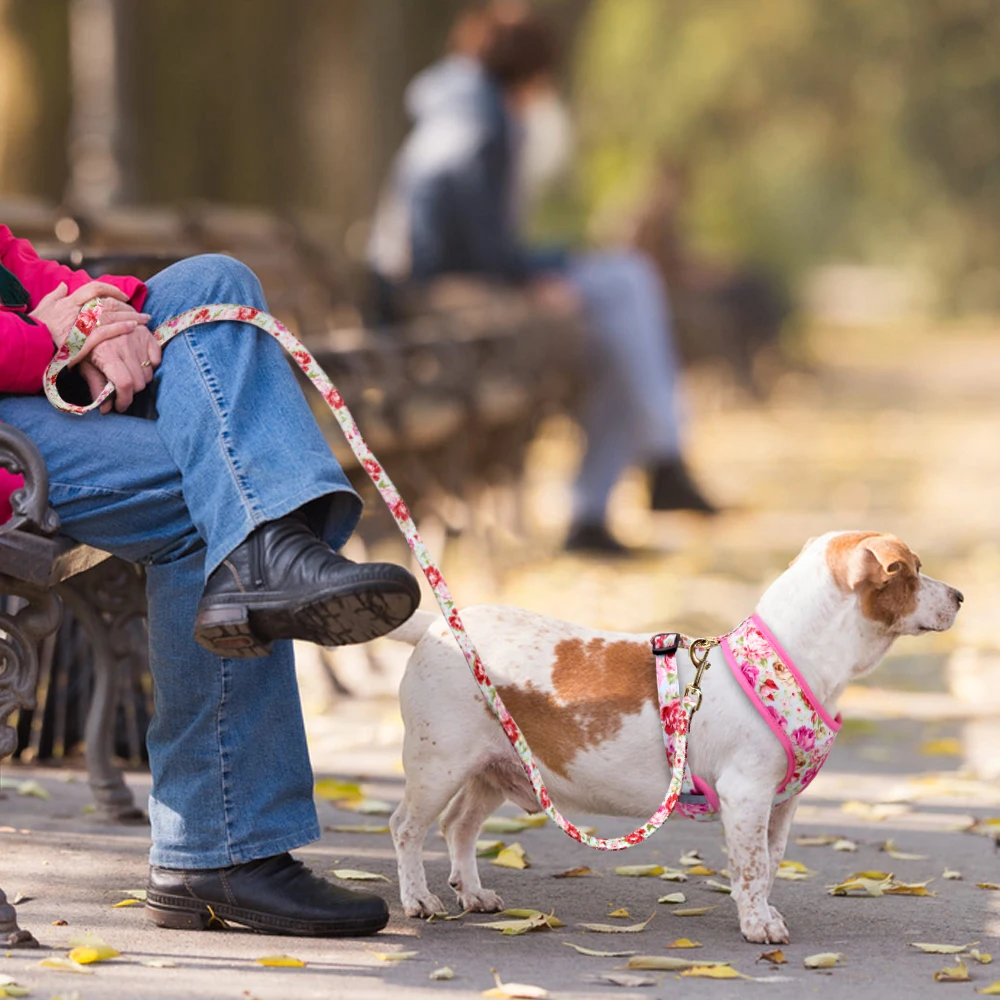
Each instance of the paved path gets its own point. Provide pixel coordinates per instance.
(897, 433)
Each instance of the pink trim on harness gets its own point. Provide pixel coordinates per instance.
(786, 703)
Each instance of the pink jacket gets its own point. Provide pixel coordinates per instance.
(27, 348)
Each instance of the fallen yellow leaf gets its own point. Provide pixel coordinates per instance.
(690, 859)
(87, 955)
(993, 990)
(367, 807)
(512, 857)
(355, 875)
(673, 897)
(946, 746)
(694, 911)
(392, 956)
(713, 972)
(662, 963)
(280, 961)
(824, 960)
(638, 871)
(576, 872)
(894, 852)
(489, 848)
(444, 973)
(506, 824)
(909, 888)
(61, 964)
(817, 840)
(718, 886)
(620, 912)
(987, 885)
(33, 789)
(333, 789)
(701, 870)
(684, 943)
(982, 957)
(957, 974)
(952, 873)
(618, 928)
(597, 954)
(551, 919)
(126, 902)
(776, 957)
(941, 949)
(515, 991)
(845, 845)
(355, 828)
(674, 875)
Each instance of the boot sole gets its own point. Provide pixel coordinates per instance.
(242, 631)
(185, 914)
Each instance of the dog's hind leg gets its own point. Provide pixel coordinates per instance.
(427, 792)
(461, 824)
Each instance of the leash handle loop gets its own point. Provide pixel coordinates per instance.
(668, 690)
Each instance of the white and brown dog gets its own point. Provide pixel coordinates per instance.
(586, 701)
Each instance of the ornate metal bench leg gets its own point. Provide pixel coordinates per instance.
(18, 676)
(108, 601)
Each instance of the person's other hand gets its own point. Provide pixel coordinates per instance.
(128, 360)
(59, 310)
(556, 295)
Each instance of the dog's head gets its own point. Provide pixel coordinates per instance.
(883, 574)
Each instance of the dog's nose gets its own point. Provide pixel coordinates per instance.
(958, 595)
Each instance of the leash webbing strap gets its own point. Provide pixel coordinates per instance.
(667, 684)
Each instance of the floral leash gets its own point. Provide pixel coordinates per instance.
(664, 646)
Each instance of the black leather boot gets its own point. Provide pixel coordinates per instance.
(674, 489)
(283, 582)
(596, 540)
(276, 895)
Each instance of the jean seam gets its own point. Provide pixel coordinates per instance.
(224, 767)
(251, 501)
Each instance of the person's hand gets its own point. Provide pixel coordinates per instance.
(59, 310)
(556, 295)
(128, 360)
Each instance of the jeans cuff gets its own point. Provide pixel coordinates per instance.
(226, 858)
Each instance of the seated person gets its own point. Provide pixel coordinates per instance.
(449, 209)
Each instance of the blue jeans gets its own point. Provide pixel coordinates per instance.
(631, 411)
(231, 444)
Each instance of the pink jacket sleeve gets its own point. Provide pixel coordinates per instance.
(26, 348)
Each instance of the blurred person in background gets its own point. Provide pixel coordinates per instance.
(450, 208)
(213, 474)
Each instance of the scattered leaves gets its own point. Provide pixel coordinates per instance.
(776, 957)
(718, 886)
(713, 972)
(444, 973)
(515, 991)
(576, 872)
(618, 928)
(993, 990)
(527, 921)
(824, 960)
(356, 875)
(551, 918)
(639, 871)
(334, 790)
(512, 857)
(673, 897)
(701, 870)
(982, 957)
(280, 962)
(693, 911)
(597, 954)
(506, 824)
(684, 943)
(674, 875)
(956, 974)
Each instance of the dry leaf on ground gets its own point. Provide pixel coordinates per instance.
(280, 962)
(824, 960)
(356, 875)
(694, 911)
(34, 789)
(579, 872)
(776, 957)
(845, 845)
(489, 848)
(61, 964)
(946, 746)
(987, 885)
(442, 974)
(713, 972)
(620, 912)
(982, 957)
(817, 840)
(684, 943)
(890, 848)
(392, 956)
(690, 859)
(512, 857)
(956, 974)
(355, 828)
(597, 954)
(333, 789)
(525, 922)
(717, 886)
(617, 928)
(624, 979)
(367, 807)
(88, 954)
(668, 963)
(701, 870)
(126, 902)
(941, 949)
(515, 991)
(673, 897)
(639, 871)
(674, 875)
(952, 874)
(877, 812)
(160, 963)
(551, 918)
(993, 990)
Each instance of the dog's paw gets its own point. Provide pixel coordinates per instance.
(480, 901)
(423, 906)
(773, 931)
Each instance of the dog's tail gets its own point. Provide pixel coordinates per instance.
(412, 630)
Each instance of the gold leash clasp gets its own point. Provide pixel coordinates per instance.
(698, 650)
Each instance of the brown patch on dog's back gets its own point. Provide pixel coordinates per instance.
(880, 569)
(597, 683)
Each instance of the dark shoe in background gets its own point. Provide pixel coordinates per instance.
(276, 895)
(595, 539)
(283, 582)
(672, 488)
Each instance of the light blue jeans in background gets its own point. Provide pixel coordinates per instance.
(231, 444)
(630, 413)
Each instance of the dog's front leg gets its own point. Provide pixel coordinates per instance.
(746, 809)
(777, 840)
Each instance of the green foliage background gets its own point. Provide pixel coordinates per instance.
(866, 130)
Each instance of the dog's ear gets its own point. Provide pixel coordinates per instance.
(804, 547)
(868, 558)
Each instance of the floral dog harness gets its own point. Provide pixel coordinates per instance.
(778, 691)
